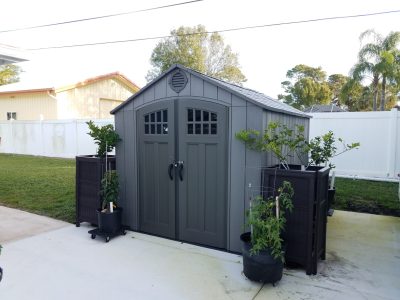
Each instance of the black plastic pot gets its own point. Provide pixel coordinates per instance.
(1, 273)
(261, 267)
(110, 222)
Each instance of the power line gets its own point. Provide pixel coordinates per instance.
(100, 17)
(222, 30)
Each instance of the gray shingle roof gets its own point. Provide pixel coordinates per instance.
(250, 95)
(264, 100)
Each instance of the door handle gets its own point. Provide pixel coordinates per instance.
(170, 168)
(180, 165)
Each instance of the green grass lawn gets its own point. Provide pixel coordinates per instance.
(376, 197)
(45, 186)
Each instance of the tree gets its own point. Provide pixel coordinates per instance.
(9, 74)
(195, 48)
(307, 86)
(336, 83)
(380, 61)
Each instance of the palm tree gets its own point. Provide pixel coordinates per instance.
(378, 60)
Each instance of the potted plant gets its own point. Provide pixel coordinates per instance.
(322, 149)
(109, 215)
(262, 248)
(306, 227)
(90, 170)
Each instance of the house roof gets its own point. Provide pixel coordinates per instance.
(318, 108)
(32, 86)
(11, 55)
(250, 95)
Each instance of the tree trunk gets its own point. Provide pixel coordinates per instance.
(383, 93)
(375, 87)
(374, 99)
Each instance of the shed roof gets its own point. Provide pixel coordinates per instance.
(53, 84)
(323, 108)
(255, 97)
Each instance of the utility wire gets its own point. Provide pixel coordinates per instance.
(222, 30)
(100, 17)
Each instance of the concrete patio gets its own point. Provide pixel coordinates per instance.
(363, 262)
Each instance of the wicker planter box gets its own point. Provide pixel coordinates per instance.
(89, 172)
(305, 233)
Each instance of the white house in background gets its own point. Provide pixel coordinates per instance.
(92, 98)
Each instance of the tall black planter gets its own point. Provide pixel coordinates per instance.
(89, 172)
(261, 267)
(305, 232)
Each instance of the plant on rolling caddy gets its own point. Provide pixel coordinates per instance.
(109, 215)
(262, 248)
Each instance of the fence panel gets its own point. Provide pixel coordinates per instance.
(379, 134)
(64, 138)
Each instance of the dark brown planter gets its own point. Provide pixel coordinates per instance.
(305, 233)
(89, 172)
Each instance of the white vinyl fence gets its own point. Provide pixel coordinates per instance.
(378, 156)
(65, 138)
(378, 132)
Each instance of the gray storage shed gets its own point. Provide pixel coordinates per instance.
(183, 175)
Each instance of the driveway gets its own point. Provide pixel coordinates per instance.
(363, 262)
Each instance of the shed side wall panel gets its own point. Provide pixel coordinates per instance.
(120, 160)
(237, 177)
(130, 167)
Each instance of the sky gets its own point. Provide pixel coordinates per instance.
(265, 54)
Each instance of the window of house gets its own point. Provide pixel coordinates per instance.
(11, 115)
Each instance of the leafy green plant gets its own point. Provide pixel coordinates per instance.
(266, 217)
(322, 149)
(109, 188)
(277, 138)
(284, 142)
(105, 137)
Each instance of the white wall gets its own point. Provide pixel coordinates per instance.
(379, 135)
(64, 138)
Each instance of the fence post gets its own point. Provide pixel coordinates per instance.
(393, 147)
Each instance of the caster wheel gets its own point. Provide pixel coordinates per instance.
(124, 232)
(93, 236)
(107, 239)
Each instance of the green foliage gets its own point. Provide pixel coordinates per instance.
(283, 142)
(267, 222)
(9, 74)
(105, 137)
(379, 60)
(109, 188)
(195, 48)
(277, 138)
(322, 149)
(307, 86)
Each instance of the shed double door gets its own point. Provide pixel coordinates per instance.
(182, 171)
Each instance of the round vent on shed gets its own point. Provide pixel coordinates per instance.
(178, 81)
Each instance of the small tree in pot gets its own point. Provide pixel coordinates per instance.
(263, 250)
(109, 215)
(90, 170)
